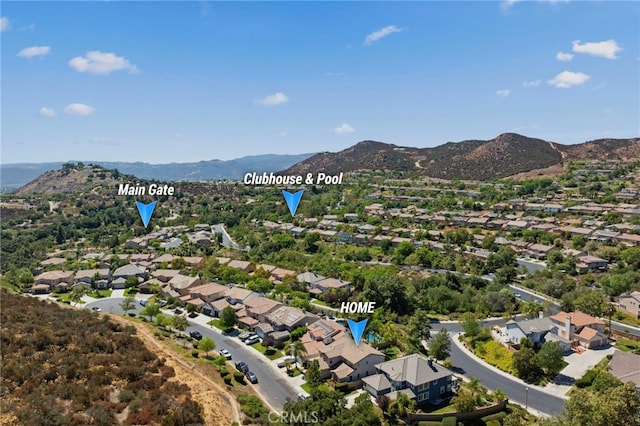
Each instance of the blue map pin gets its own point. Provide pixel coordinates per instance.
(146, 210)
(357, 328)
(292, 200)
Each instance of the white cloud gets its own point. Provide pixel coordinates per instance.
(96, 62)
(503, 93)
(568, 79)
(564, 57)
(377, 35)
(79, 109)
(508, 3)
(531, 83)
(47, 112)
(5, 25)
(343, 129)
(606, 49)
(277, 98)
(30, 52)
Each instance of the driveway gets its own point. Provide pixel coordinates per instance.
(580, 363)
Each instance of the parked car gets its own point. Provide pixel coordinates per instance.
(302, 395)
(97, 309)
(225, 353)
(242, 366)
(143, 303)
(284, 361)
(196, 335)
(252, 377)
(162, 302)
(177, 311)
(244, 336)
(252, 340)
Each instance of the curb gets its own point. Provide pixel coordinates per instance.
(500, 372)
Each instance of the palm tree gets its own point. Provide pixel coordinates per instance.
(609, 310)
(401, 405)
(297, 349)
(531, 309)
(499, 395)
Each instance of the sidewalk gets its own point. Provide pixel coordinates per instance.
(553, 392)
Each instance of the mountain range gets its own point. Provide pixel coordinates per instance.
(506, 155)
(16, 175)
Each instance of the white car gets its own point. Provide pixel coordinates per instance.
(284, 361)
(252, 340)
(225, 353)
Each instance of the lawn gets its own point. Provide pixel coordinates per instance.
(216, 323)
(100, 294)
(627, 345)
(307, 387)
(272, 354)
(319, 302)
(495, 354)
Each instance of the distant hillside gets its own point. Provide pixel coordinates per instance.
(74, 180)
(506, 155)
(16, 175)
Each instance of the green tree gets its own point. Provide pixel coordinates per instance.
(549, 358)
(419, 328)
(470, 325)
(465, 402)
(526, 366)
(440, 346)
(401, 405)
(609, 310)
(179, 322)
(228, 317)
(78, 292)
(207, 345)
(312, 376)
(311, 241)
(128, 304)
(590, 302)
(150, 310)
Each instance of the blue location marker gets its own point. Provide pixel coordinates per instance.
(292, 200)
(145, 210)
(357, 328)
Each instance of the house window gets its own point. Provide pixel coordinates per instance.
(425, 395)
(441, 390)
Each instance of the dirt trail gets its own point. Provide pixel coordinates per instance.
(220, 408)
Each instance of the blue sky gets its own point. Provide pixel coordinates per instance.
(190, 81)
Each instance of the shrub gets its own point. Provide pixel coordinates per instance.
(224, 371)
(449, 421)
(342, 387)
(239, 376)
(126, 396)
(586, 380)
(497, 417)
(227, 380)
(220, 361)
(195, 354)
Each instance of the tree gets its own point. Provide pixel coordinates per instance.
(78, 292)
(401, 405)
(179, 322)
(532, 308)
(150, 310)
(440, 347)
(297, 349)
(524, 362)
(419, 328)
(207, 345)
(228, 317)
(549, 358)
(312, 375)
(609, 310)
(128, 304)
(311, 242)
(465, 402)
(470, 325)
(590, 302)
(499, 395)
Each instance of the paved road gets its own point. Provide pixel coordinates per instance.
(274, 388)
(516, 391)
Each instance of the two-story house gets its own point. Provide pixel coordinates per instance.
(630, 303)
(417, 377)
